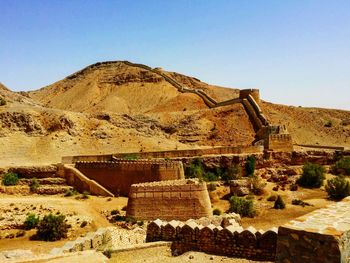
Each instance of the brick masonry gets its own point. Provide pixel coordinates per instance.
(180, 199)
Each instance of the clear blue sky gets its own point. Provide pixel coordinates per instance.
(296, 52)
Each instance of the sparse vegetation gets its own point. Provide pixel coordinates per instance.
(242, 206)
(328, 124)
(31, 221)
(131, 220)
(131, 157)
(70, 192)
(342, 166)
(257, 185)
(279, 203)
(338, 188)
(2, 102)
(232, 173)
(85, 195)
(140, 223)
(115, 212)
(34, 184)
(10, 179)
(217, 212)
(250, 165)
(313, 176)
(52, 228)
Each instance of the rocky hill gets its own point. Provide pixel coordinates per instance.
(122, 107)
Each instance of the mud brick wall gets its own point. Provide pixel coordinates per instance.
(180, 199)
(279, 142)
(118, 176)
(231, 241)
(320, 236)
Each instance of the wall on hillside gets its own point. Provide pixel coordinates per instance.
(230, 241)
(279, 142)
(180, 199)
(117, 176)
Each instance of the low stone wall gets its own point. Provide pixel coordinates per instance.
(320, 236)
(80, 182)
(179, 199)
(94, 240)
(43, 171)
(232, 241)
(118, 176)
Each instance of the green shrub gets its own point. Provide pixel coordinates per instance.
(140, 223)
(328, 124)
(210, 177)
(195, 169)
(272, 198)
(130, 219)
(250, 165)
(52, 228)
(31, 221)
(242, 206)
(257, 185)
(85, 195)
(70, 192)
(115, 212)
(10, 179)
(217, 212)
(313, 176)
(279, 203)
(338, 188)
(342, 166)
(2, 102)
(34, 184)
(132, 156)
(232, 173)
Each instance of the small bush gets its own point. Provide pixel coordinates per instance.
(70, 192)
(242, 206)
(313, 176)
(52, 228)
(115, 212)
(328, 124)
(217, 212)
(250, 165)
(31, 221)
(195, 169)
(338, 188)
(34, 184)
(131, 220)
(272, 198)
(132, 156)
(10, 179)
(2, 102)
(257, 185)
(279, 203)
(140, 223)
(85, 195)
(211, 187)
(342, 166)
(232, 173)
(83, 224)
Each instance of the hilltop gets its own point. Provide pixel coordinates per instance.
(123, 107)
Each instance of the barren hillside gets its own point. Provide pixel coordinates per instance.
(114, 107)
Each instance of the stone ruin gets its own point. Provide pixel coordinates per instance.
(176, 199)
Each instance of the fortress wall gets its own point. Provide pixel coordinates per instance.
(252, 114)
(279, 142)
(255, 93)
(320, 236)
(230, 241)
(118, 176)
(86, 158)
(180, 199)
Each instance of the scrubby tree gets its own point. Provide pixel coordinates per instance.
(338, 188)
(342, 166)
(31, 221)
(10, 179)
(242, 206)
(313, 176)
(52, 228)
(250, 165)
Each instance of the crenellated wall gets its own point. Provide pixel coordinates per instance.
(232, 241)
(179, 199)
(117, 176)
(279, 142)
